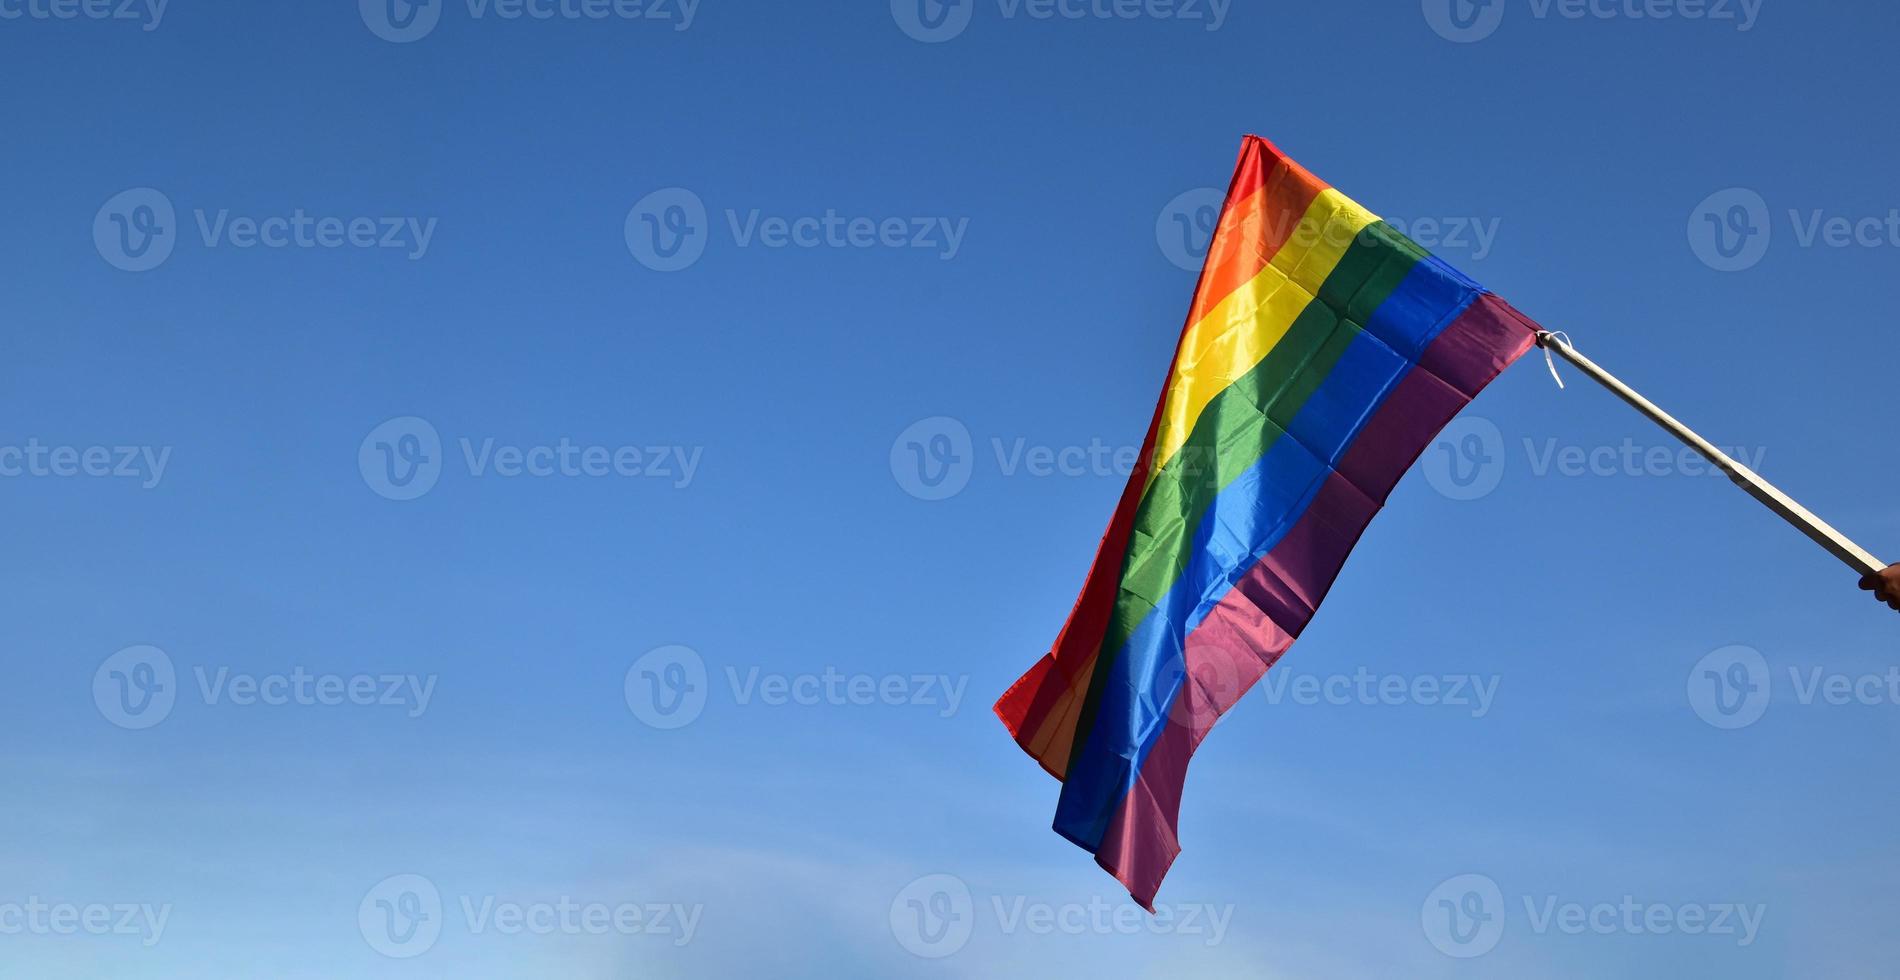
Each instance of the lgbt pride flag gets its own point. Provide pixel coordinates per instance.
(1323, 352)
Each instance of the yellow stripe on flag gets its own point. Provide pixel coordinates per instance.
(1239, 331)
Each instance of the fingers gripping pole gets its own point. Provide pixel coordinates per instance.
(1816, 529)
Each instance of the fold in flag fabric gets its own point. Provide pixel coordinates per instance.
(1323, 353)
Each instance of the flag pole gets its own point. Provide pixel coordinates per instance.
(1803, 520)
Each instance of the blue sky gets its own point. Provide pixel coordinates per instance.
(464, 518)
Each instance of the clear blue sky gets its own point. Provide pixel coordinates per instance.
(596, 264)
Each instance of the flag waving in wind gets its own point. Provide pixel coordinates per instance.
(1323, 352)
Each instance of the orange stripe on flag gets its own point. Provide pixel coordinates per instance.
(1268, 197)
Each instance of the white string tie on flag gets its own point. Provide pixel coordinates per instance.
(1546, 337)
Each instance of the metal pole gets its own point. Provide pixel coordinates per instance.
(1822, 534)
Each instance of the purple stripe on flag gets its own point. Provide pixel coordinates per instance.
(1258, 619)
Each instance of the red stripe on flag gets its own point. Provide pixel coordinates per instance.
(1250, 234)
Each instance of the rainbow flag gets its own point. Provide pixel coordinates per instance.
(1323, 352)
